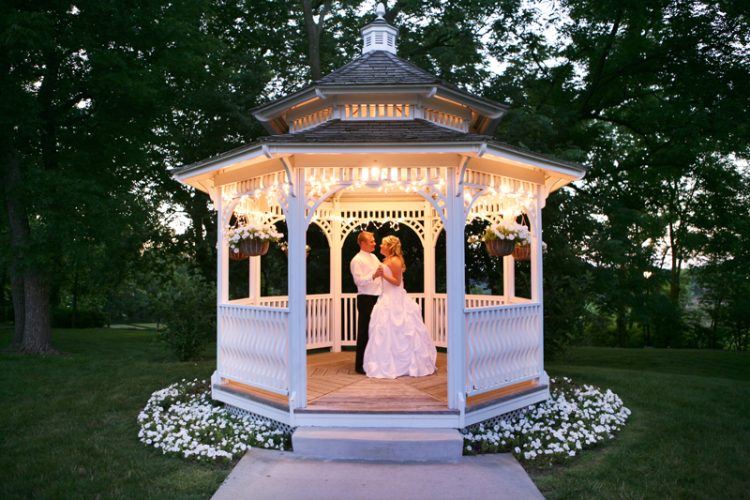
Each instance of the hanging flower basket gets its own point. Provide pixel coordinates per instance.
(522, 252)
(251, 239)
(502, 238)
(237, 255)
(499, 248)
(253, 248)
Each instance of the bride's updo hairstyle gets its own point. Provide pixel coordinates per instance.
(393, 244)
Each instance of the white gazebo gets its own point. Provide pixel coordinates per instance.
(378, 140)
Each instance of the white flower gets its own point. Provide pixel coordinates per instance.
(573, 419)
(190, 425)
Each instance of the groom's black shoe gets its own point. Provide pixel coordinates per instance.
(361, 372)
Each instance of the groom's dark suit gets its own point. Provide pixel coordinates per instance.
(363, 266)
(365, 303)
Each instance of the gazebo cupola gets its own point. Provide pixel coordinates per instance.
(379, 35)
(378, 140)
(379, 85)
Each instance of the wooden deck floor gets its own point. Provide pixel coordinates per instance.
(334, 386)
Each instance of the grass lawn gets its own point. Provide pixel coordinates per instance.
(688, 436)
(68, 423)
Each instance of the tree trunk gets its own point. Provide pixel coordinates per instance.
(30, 291)
(16, 290)
(674, 276)
(37, 335)
(18, 226)
(74, 313)
(622, 332)
(313, 30)
(202, 232)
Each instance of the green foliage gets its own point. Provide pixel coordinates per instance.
(99, 102)
(632, 91)
(189, 312)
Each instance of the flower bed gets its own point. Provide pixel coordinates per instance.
(183, 420)
(573, 419)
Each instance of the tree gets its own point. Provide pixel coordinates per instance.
(84, 91)
(641, 93)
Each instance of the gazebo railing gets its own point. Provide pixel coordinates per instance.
(504, 346)
(440, 315)
(504, 341)
(253, 346)
(319, 317)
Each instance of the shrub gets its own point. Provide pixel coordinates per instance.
(189, 312)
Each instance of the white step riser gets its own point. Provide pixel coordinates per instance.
(399, 445)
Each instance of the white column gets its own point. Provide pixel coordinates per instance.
(335, 277)
(456, 291)
(536, 251)
(222, 275)
(537, 292)
(509, 278)
(429, 270)
(253, 279)
(297, 357)
(222, 251)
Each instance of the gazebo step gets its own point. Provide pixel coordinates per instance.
(400, 445)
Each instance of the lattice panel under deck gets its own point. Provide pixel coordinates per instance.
(504, 346)
(253, 346)
(254, 417)
(492, 422)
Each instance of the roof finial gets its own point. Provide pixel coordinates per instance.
(379, 35)
(380, 10)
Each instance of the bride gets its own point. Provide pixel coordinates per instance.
(399, 343)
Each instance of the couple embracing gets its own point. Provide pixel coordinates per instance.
(392, 339)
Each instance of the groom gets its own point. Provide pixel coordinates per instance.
(367, 273)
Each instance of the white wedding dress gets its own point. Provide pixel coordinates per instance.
(399, 343)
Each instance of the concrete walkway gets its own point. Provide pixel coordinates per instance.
(264, 474)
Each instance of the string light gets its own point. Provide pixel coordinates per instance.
(503, 196)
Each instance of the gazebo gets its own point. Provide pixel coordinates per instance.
(379, 139)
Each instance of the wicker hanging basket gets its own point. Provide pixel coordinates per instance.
(253, 248)
(522, 252)
(499, 248)
(237, 255)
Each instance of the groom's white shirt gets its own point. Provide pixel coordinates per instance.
(363, 266)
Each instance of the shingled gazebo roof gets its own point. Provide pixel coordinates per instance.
(341, 131)
(378, 68)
